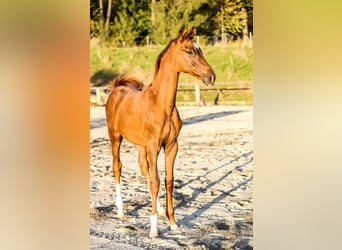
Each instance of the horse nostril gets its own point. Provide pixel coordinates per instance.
(212, 78)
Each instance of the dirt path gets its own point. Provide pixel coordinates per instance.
(213, 185)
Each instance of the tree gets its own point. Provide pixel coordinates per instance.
(96, 18)
(101, 10)
(231, 19)
(109, 11)
(128, 22)
(153, 18)
(131, 22)
(171, 16)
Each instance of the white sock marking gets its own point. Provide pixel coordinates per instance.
(154, 220)
(119, 203)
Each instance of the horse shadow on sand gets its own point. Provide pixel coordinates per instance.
(101, 121)
(210, 116)
(186, 200)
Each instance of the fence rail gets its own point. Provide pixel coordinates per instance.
(101, 93)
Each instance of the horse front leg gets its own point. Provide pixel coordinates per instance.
(170, 156)
(144, 167)
(117, 166)
(152, 154)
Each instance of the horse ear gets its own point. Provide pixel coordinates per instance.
(183, 34)
(192, 34)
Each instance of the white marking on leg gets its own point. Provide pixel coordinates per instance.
(119, 203)
(161, 211)
(154, 229)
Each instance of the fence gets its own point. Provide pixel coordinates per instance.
(220, 87)
(98, 95)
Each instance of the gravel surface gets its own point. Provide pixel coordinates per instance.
(213, 185)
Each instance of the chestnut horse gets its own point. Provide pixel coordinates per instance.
(148, 117)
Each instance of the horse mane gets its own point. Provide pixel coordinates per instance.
(127, 81)
(156, 70)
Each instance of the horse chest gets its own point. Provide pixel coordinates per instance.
(159, 129)
(169, 132)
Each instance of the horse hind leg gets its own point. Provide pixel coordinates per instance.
(152, 153)
(144, 167)
(170, 155)
(117, 166)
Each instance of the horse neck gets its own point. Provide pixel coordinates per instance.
(165, 85)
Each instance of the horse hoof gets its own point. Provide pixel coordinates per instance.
(175, 229)
(153, 235)
(121, 215)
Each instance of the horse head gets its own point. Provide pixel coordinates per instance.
(190, 58)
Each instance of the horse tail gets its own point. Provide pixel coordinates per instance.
(127, 81)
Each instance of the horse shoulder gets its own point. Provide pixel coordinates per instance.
(176, 120)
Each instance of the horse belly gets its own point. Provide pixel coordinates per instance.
(132, 132)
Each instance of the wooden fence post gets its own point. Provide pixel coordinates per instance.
(98, 96)
(197, 94)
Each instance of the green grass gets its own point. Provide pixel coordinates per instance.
(106, 63)
(232, 63)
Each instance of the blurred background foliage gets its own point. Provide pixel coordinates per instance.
(127, 36)
(122, 23)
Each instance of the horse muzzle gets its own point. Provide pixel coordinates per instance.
(209, 79)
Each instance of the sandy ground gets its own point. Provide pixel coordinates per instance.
(213, 185)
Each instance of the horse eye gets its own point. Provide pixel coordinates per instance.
(190, 52)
